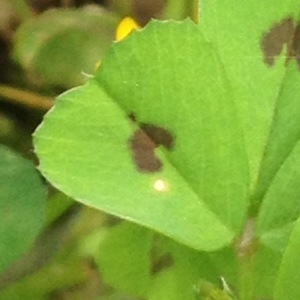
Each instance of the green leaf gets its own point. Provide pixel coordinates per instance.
(124, 258)
(61, 44)
(277, 239)
(256, 71)
(168, 79)
(22, 203)
(260, 47)
(280, 161)
(287, 285)
(200, 113)
(266, 263)
(280, 166)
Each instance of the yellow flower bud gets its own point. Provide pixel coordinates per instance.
(125, 27)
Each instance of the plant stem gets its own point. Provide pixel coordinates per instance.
(25, 98)
(245, 251)
(246, 278)
(178, 9)
(23, 9)
(194, 9)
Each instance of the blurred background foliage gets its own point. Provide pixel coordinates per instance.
(47, 47)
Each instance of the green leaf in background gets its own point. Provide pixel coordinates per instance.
(134, 260)
(175, 284)
(171, 284)
(22, 203)
(154, 138)
(287, 285)
(124, 258)
(61, 44)
(182, 272)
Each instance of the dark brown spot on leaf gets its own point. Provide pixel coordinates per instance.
(143, 152)
(159, 135)
(286, 33)
(163, 262)
(143, 144)
(294, 50)
(273, 42)
(132, 117)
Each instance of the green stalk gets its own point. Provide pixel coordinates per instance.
(23, 9)
(179, 10)
(27, 99)
(246, 278)
(245, 250)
